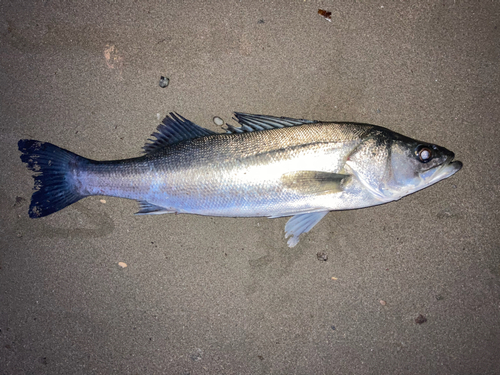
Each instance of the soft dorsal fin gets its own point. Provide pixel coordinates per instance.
(174, 129)
(251, 123)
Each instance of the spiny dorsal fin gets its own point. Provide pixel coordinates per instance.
(251, 123)
(174, 129)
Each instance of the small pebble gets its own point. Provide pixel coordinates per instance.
(218, 121)
(164, 81)
(322, 256)
(420, 319)
(383, 303)
(122, 265)
(102, 200)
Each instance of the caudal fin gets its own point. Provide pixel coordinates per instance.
(54, 184)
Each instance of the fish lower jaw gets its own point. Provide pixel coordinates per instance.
(391, 194)
(446, 170)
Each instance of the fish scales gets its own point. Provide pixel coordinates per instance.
(270, 166)
(226, 175)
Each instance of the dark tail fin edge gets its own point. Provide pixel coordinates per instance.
(54, 184)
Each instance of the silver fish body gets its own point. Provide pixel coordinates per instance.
(269, 167)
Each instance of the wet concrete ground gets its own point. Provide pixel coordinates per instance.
(204, 295)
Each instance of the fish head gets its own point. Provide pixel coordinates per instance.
(392, 166)
(415, 165)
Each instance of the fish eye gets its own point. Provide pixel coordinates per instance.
(424, 154)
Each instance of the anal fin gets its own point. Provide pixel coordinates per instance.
(301, 223)
(147, 208)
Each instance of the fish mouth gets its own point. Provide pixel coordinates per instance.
(445, 170)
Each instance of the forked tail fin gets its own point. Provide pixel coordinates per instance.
(54, 184)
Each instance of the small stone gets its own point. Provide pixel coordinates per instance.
(383, 303)
(164, 81)
(218, 121)
(102, 200)
(122, 264)
(420, 319)
(322, 256)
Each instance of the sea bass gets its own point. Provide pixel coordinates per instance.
(268, 166)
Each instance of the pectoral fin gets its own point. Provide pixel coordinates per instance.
(315, 182)
(301, 223)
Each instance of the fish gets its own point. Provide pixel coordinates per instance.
(265, 167)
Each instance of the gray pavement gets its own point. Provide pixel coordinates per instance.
(204, 295)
